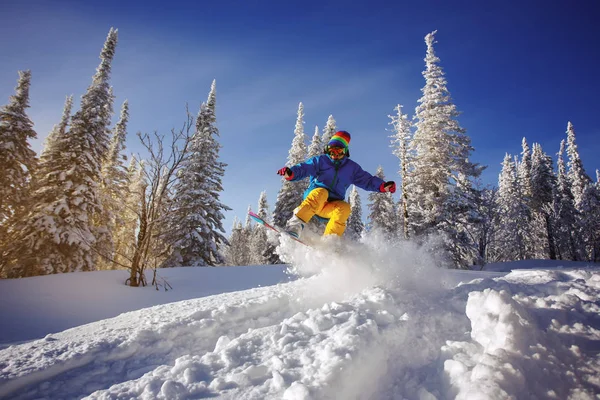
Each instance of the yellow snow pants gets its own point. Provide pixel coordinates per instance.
(316, 203)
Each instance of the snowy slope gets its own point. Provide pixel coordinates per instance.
(370, 323)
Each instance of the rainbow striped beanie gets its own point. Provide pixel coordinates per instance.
(340, 139)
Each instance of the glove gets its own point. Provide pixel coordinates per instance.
(286, 173)
(389, 186)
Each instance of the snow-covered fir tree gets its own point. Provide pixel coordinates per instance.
(523, 168)
(316, 146)
(291, 193)
(524, 171)
(543, 187)
(237, 250)
(57, 234)
(17, 158)
(485, 231)
(382, 211)
(197, 212)
(565, 214)
(260, 249)
(50, 151)
(401, 126)
(576, 173)
(462, 226)
(511, 231)
(355, 226)
(329, 130)
(113, 188)
(124, 234)
(590, 222)
(524, 179)
(440, 150)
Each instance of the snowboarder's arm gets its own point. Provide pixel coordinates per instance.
(366, 181)
(305, 169)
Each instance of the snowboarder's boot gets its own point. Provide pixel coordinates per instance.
(294, 227)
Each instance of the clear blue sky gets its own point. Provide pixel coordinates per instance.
(520, 68)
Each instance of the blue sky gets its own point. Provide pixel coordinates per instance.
(514, 69)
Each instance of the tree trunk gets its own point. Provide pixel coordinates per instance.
(550, 233)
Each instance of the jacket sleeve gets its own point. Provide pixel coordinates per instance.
(304, 169)
(365, 180)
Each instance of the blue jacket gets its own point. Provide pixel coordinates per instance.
(335, 176)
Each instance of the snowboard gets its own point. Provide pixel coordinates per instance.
(280, 232)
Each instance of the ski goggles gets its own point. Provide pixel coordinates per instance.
(336, 151)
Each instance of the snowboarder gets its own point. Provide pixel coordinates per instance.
(330, 175)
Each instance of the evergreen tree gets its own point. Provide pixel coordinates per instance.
(485, 231)
(440, 150)
(316, 146)
(262, 250)
(57, 234)
(57, 134)
(523, 168)
(565, 213)
(197, 212)
(355, 226)
(590, 222)
(124, 236)
(17, 158)
(237, 250)
(511, 231)
(382, 215)
(113, 189)
(329, 130)
(577, 177)
(400, 142)
(543, 187)
(524, 172)
(463, 214)
(291, 193)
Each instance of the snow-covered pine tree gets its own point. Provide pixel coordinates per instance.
(565, 213)
(524, 181)
(511, 231)
(248, 232)
(485, 231)
(113, 189)
(329, 130)
(197, 211)
(590, 222)
(291, 193)
(524, 171)
(124, 236)
(57, 234)
(576, 173)
(18, 162)
(56, 136)
(316, 146)
(440, 150)
(262, 250)
(355, 226)
(543, 186)
(463, 216)
(237, 250)
(401, 126)
(17, 159)
(382, 211)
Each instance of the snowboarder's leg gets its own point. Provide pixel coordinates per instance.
(312, 204)
(338, 212)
